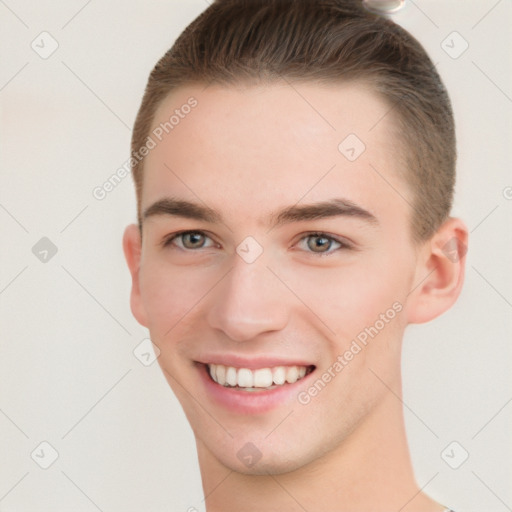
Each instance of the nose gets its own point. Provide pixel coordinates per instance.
(248, 302)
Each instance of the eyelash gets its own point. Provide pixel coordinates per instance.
(343, 245)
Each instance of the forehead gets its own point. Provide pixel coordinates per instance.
(268, 146)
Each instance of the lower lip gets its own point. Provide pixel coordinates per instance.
(251, 402)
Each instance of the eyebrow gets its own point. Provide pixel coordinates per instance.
(182, 208)
(295, 213)
(322, 210)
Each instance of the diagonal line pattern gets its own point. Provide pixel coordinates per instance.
(14, 424)
(12, 280)
(287, 492)
(487, 423)
(76, 14)
(418, 492)
(13, 13)
(491, 80)
(14, 218)
(493, 287)
(485, 218)
(490, 490)
(330, 330)
(198, 403)
(280, 423)
(403, 403)
(97, 402)
(74, 218)
(96, 300)
(486, 14)
(396, 190)
(14, 76)
(15, 485)
(424, 14)
(384, 115)
(217, 486)
(101, 101)
(88, 497)
(422, 281)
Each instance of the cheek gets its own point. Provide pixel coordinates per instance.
(370, 320)
(350, 298)
(368, 295)
(170, 294)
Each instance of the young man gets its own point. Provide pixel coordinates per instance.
(294, 168)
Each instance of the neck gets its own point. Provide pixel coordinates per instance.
(369, 471)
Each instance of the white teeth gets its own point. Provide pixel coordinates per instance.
(230, 376)
(245, 378)
(220, 374)
(279, 375)
(263, 378)
(292, 374)
(252, 379)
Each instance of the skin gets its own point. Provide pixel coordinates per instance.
(247, 152)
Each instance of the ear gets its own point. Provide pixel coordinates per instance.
(132, 247)
(440, 272)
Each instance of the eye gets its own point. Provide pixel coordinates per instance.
(320, 243)
(189, 240)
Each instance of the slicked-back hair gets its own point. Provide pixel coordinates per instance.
(324, 42)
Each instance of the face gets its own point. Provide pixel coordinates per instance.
(278, 263)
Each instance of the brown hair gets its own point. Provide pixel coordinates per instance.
(325, 41)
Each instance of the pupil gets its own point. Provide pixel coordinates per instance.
(194, 239)
(319, 242)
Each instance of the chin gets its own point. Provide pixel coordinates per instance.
(257, 455)
(269, 465)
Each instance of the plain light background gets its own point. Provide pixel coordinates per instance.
(68, 374)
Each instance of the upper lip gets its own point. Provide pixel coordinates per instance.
(252, 363)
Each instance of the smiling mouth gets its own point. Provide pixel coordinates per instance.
(261, 379)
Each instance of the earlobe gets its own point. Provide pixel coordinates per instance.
(440, 272)
(132, 247)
